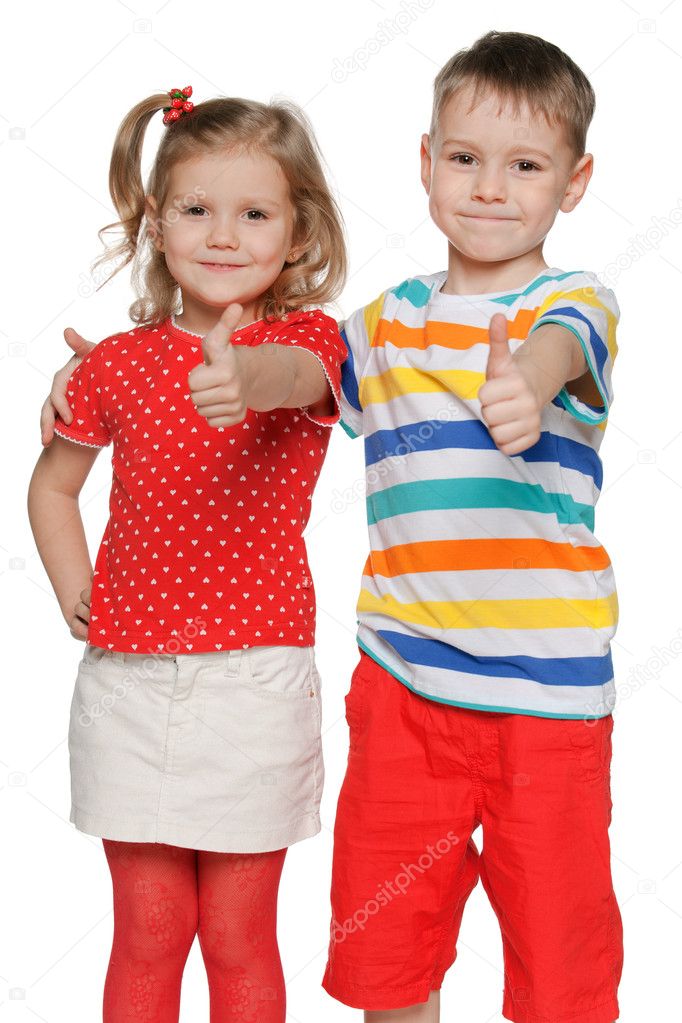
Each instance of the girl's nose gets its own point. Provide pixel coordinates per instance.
(223, 233)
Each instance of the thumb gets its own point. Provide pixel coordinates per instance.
(499, 357)
(77, 343)
(217, 341)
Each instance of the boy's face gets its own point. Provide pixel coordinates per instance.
(496, 179)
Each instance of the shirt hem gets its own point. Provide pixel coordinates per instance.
(197, 836)
(478, 706)
(76, 439)
(188, 642)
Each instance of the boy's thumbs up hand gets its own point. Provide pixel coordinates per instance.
(217, 386)
(509, 406)
(500, 359)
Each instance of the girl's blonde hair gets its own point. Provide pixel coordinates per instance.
(279, 130)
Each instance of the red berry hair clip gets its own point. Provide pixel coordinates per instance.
(180, 104)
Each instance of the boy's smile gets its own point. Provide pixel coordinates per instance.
(496, 178)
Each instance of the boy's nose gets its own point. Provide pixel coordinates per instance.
(489, 186)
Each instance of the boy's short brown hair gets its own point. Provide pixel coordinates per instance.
(520, 67)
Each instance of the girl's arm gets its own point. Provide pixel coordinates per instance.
(55, 518)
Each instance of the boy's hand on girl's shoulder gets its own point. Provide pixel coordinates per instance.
(218, 385)
(509, 405)
(56, 401)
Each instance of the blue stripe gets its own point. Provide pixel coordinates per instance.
(436, 435)
(349, 383)
(548, 671)
(599, 348)
(475, 706)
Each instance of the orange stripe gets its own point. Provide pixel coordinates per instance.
(448, 335)
(473, 555)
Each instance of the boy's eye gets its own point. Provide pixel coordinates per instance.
(255, 215)
(461, 157)
(526, 166)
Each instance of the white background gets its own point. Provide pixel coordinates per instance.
(71, 71)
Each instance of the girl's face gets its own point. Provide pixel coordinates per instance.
(226, 230)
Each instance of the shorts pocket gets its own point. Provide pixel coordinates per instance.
(95, 655)
(281, 672)
(590, 741)
(360, 681)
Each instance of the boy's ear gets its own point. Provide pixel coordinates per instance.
(425, 155)
(577, 183)
(155, 229)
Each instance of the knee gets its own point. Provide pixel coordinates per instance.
(158, 928)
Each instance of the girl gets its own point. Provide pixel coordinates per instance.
(194, 735)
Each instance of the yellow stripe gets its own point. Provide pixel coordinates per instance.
(372, 315)
(497, 614)
(587, 296)
(402, 382)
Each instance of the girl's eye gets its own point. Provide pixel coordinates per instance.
(190, 208)
(255, 215)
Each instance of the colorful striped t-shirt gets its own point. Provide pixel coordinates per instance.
(485, 586)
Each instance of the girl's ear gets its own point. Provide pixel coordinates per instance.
(154, 222)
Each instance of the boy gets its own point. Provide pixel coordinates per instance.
(485, 687)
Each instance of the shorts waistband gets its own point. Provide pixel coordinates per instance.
(231, 659)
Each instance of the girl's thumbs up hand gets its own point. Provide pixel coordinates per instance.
(216, 344)
(509, 406)
(217, 385)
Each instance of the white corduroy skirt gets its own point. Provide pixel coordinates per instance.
(216, 751)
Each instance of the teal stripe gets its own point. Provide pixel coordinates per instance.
(510, 299)
(443, 494)
(476, 706)
(348, 430)
(415, 291)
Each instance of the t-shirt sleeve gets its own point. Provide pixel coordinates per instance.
(358, 332)
(84, 392)
(318, 334)
(590, 311)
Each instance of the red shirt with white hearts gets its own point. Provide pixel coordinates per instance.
(203, 550)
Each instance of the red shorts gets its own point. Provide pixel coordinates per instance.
(421, 776)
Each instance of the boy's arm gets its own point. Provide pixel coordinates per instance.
(55, 518)
(56, 402)
(551, 357)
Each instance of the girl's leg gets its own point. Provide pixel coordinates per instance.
(426, 1012)
(155, 920)
(238, 935)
